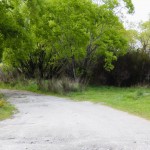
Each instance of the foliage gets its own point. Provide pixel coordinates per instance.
(130, 69)
(144, 36)
(132, 36)
(8, 74)
(113, 4)
(59, 86)
(52, 38)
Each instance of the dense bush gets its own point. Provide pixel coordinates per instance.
(8, 74)
(130, 69)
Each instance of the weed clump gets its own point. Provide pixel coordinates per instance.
(2, 103)
(60, 86)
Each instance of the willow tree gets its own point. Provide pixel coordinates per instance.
(82, 30)
(57, 34)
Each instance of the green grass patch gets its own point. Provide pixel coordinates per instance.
(27, 85)
(6, 109)
(135, 100)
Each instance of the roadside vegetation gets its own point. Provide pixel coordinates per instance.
(60, 86)
(135, 100)
(63, 46)
(6, 109)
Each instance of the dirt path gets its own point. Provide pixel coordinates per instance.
(51, 123)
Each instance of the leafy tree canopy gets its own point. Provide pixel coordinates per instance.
(50, 34)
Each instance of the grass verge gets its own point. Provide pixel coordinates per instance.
(135, 100)
(27, 86)
(6, 109)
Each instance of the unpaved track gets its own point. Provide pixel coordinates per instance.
(51, 123)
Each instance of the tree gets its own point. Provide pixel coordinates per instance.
(57, 35)
(144, 36)
(113, 4)
(106, 37)
(132, 36)
(6, 24)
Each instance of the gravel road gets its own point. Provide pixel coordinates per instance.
(52, 123)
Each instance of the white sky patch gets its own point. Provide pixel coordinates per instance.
(142, 12)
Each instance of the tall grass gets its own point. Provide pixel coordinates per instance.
(60, 86)
(53, 86)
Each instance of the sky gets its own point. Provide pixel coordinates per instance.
(142, 11)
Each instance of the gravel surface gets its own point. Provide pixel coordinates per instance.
(52, 123)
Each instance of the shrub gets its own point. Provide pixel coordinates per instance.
(60, 86)
(8, 74)
(2, 103)
(130, 69)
